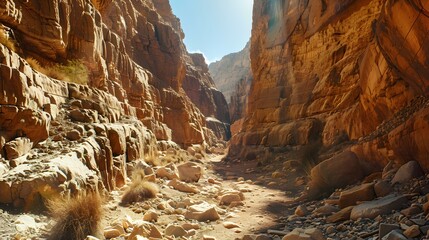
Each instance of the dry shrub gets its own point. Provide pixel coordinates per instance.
(139, 190)
(73, 71)
(6, 41)
(76, 218)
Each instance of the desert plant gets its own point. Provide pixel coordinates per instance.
(73, 71)
(76, 218)
(139, 190)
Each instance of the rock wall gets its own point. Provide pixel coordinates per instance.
(332, 72)
(135, 96)
(233, 76)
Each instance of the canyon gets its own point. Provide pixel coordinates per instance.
(318, 129)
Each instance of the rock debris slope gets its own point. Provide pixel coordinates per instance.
(338, 75)
(59, 136)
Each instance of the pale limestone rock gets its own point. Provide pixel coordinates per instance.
(189, 172)
(202, 212)
(174, 230)
(182, 186)
(144, 229)
(150, 216)
(169, 172)
(230, 225)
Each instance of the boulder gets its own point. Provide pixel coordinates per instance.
(346, 167)
(189, 172)
(202, 212)
(407, 172)
(378, 207)
(17, 148)
(364, 192)
(382, 188)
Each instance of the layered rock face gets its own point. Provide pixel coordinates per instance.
(333, 71)
(135, 96)
(233, 76)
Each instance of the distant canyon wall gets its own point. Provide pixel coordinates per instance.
(339, 71)
(233, 76)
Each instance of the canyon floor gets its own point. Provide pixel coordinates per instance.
(265, 208)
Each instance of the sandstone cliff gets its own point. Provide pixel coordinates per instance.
(339, 72)
(68, 137)
(233, 76)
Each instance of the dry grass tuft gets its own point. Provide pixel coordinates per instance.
(139, 190)
(76, 218)
(7, 41)
(74, 71)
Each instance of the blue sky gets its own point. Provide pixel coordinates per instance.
(214, 27)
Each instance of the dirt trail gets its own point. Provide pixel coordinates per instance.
(264, 205)
(266, 193)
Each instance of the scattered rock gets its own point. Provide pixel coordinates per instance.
(182, 186)
(301, 211)
(364, 192)
(385, 228)
(150, 216)
(189, 226)
(411, 211)
(304, 234)
(326, 210)
(205, 237)
(256, 237)
(229, 198)
(144, 229)
(342, 215)
(169, 172)
(394, 235)
(174, 230)
(378, 207)
(111, 233)
(202, 212)
(189, 172)
(382, 188)
(230, 225)
(412, 231)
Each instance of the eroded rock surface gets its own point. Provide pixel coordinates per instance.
(339, 75)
